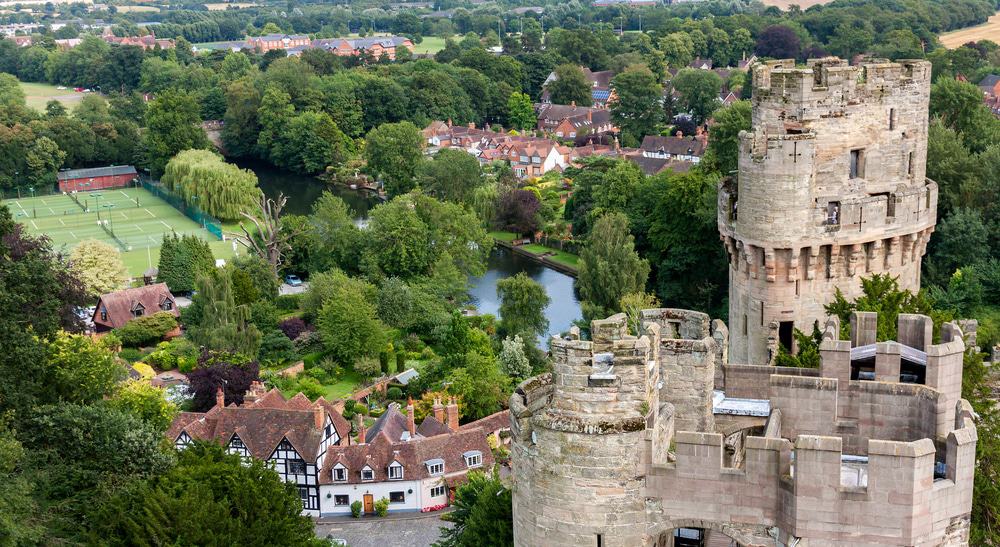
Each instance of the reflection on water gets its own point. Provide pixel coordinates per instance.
(563, 308)
(302, 191)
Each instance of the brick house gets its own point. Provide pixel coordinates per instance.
(96, 178)
(572, 121)
(990, 85)
(376, 46)
(528, 156)
(114, 309)
(268, 42)
(600, 86)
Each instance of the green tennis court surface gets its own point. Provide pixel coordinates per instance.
(131, 219)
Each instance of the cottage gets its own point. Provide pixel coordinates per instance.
(990, 85)
(675, 148)
(96, 178)
(571, 121)
(116, 308)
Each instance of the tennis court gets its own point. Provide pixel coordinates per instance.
(132, 219)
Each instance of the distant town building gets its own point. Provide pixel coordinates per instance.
(149, 41)
(268, 42)
(571, 121)
(375, 46)
(600, 86)
(677, 148)
(528, 156)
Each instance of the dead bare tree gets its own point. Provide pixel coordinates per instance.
(269, 239)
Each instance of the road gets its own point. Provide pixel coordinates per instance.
(388, 532)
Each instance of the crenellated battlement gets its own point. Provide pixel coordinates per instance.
(834, 79)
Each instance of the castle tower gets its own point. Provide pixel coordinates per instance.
(831, 188)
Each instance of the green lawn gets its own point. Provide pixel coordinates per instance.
(504, 236)
(562, 257)
(347, 384)
(430, 44)
(37, 95)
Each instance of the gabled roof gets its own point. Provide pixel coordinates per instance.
(673, 145)
(392, 423)
(119, 304)
(71, 174)
(431, 426)
(989, 81)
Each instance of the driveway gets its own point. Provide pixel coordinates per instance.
(285, 288)
(420, 531)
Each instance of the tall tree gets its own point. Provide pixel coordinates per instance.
(699, 92)
(182, 260)
(215, 321)
(637, 109)
(269, 238)
(483, 514)
(570, 86)
(393, 151)
(520, 112)
(99, 266)
(609, 266)
(173, 124)
(451, 175)
(522, 306)
(724, 146)
(202, 178)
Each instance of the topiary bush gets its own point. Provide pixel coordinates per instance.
(394, 393)
(275, 347)
(382, 507)
(147, 329)
(356, 507)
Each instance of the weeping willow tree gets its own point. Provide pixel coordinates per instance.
(202, 178)
(214, 320)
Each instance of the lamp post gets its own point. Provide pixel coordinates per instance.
(110, 219)
(97, 204)
(34, 211)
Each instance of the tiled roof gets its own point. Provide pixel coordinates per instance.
(673, 145)
(120, 304)
(431, 426)
(392, 423)
(493, 422)
(652, 166)
(71, 174)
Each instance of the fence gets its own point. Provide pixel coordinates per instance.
(47, 189)
(207, 221)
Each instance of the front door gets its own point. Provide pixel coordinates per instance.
(369, 503)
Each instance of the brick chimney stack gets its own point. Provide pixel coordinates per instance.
(255, 392)
(411, 424)
(220, 398)
(452, 411)
(319, 413)
(438, 410)
(360, 426)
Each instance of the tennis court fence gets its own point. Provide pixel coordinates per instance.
(206, 220)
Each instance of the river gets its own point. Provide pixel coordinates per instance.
(563, 308)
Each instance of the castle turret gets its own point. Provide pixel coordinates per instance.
(831, 188)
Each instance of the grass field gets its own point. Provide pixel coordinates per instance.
(137, 219)
(990, 30)
(138, 9)
(562, 257)
(39, 94)
(430, 44)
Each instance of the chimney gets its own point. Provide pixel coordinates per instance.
(255, 392)
(590, 115)
(573, 104)
(360, 426)
(452, 411)
(319, 414)
(679, 134)
(410, 417)
(220, 398)
(438, 410)
(472, 125)
(449, 122)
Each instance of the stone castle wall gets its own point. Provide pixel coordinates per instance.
(796, 223)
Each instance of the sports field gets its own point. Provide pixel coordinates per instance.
(132, 219)
(37, 95)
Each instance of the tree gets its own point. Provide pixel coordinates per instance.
(182, 260)
(512, 358)
(481, 385)
(636, 110)
(173, 124)
(570, 86)
(80, 370)
(962, 240)
(633, 304)
(239, 501)
(483, 513)
(232, 372)
(881, 294)
(520, 112)
(269, 238)
(43, 160)
(213, 319)
(451, 175)
(699, 90)
(202, 178)
(778, 42)
(518, 212)
(241, 127)
(393, 151)
(139, 398)
(332, 237)
(32, 277)
(20, 522)
(349, 324)
(147, 329)
(531, 35)
(678, 49)
(316, 143)
(99, 266)
(724, 146)
(609, 265)
(522, 306)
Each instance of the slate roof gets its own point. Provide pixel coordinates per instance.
(392, 423)
(551, 115)
(989, 82)
(94, 172)
(683, 146)
(431, 427)
(652, 166)
(263, 423)
(493, 422)
(119, 304)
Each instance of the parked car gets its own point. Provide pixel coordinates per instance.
(293, 280)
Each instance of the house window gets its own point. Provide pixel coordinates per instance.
(167, 305)
(104, 314)
(435, 469)
(297, 467)
(341, 500)
(137, 312)
(473, 459)
(857, 164)
(304, 495)
(395, 472)
(339, 474)
(438, 491)
(397, 497)
(367, 474)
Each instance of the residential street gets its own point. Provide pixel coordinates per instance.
(408, 530)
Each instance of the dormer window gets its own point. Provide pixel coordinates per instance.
(167, 305)
(435, 467)
(473, 458)
(395, 471)
(339, 473)
(367, 474)
(182, 440)
(138, 310)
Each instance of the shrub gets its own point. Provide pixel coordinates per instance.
(382, 507)
(293, 327)
(356, 507)
(264, 315)
(413, 343)
(309, 386)
(288, 302)
(400, 362)
(147, 329)
(309, 342)
(394, 393)
(319, 374)
(144, 370)
(178, 353)
(275, 347)
(349, 405)
(130, 354)
(427, 354)
(383, 361)
(367, 367)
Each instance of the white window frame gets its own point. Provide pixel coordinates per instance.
(438, 491)
(337, 504)
(435, 467)
(473, 458)
(339, 473)
(369, 472)
(395, 471)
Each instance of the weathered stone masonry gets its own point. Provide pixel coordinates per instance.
(831, 187)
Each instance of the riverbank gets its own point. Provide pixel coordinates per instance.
(561, 261)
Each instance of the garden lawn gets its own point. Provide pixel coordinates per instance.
(343, 387)
(429, 45)
(37, 95)
(562, 257)
(503, 236)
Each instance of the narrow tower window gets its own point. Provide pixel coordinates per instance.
(909, 164)
(857, 163)
(892, 119)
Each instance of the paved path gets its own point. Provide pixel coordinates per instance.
(418, 531)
